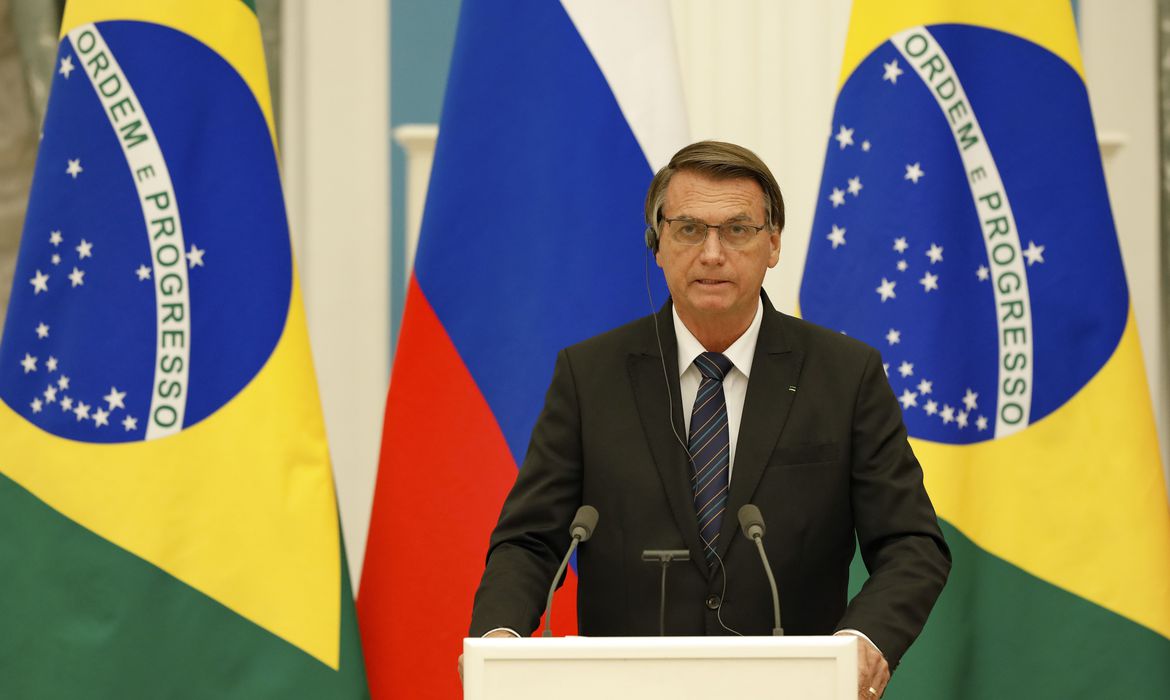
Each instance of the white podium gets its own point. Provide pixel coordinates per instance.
(671, 668)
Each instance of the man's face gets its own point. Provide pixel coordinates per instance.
(709, 280)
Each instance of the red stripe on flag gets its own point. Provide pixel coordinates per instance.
(444, 472)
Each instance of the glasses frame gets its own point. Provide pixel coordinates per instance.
(718, 232)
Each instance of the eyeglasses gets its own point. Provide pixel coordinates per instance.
(733, 234)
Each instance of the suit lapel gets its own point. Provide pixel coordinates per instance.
(654, 409)
(770, 393)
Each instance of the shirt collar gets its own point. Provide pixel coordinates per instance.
(741, 352)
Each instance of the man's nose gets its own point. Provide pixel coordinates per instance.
(712, 251)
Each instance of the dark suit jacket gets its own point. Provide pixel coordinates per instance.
(822, 451)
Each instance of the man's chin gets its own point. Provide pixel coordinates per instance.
(709, 304)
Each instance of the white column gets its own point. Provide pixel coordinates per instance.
(1120, 46)
(418, 140)
(336, 163)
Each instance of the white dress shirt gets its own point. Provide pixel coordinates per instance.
(735, 383)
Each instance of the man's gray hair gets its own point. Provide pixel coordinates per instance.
(719, 160)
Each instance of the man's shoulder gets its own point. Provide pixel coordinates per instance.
(821, 344)
(634, 337)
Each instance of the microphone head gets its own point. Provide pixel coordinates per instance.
(583, 523)
(751, 521)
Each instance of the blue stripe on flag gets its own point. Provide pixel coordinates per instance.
(532, 236)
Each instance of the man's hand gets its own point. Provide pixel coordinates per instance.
(873, 673)
(493, 633)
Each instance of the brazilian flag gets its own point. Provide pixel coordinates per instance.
(963, 227)
(168, 523)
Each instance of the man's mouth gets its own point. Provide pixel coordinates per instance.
(710, 282)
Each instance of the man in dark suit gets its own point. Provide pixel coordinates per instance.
(670, 424)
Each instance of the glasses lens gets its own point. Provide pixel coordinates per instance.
(688, 232)
(736, 235)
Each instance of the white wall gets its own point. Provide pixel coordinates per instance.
(764, 74)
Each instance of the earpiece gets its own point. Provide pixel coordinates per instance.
(652, 239)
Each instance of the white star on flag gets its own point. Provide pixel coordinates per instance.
(100, 417)
(971, 400)
(29, 363)
(962, 419)
(62, 382)
(865, 146)
(900, 245)
(50, 394)
(935, 253)
(908, 399)
(844, 137)
(836, 236)
(886, 290)
(931, 407)
(84, 249)
(948, 414)
(894, 337)
(66, 403)
(143, 272)
(925, 386)
(66, 67)
(115, 398)
(906, 368)
(55, 259)
(82, 411)
(130, 423)
(77, 277)
(981, 422)
(902, 265)
(42, 330)
(837, 197)
(36, 405)
(929, 282)
(195, 256)
(982, 273)
(55, 238)
(51, 364)
(74, 167)
(854, 186)
(40, 282)
(1034, 253)
(892, 71)
(913, 172)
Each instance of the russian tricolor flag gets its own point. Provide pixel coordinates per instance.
(556, 117)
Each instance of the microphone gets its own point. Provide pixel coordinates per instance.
(581, 530)
(752, 524)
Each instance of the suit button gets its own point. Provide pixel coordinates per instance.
(713, 602)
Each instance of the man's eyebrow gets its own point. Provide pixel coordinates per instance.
(742, 216)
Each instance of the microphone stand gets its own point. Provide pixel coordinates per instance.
(664, 557)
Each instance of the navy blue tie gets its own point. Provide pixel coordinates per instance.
(710, 448)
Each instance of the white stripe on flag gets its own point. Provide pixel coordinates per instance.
(633, 44)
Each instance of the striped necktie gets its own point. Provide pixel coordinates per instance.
(710, 449)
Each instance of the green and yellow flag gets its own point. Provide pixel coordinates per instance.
(963, 227)
(168, 523)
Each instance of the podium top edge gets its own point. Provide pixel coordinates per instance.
(663, 644)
